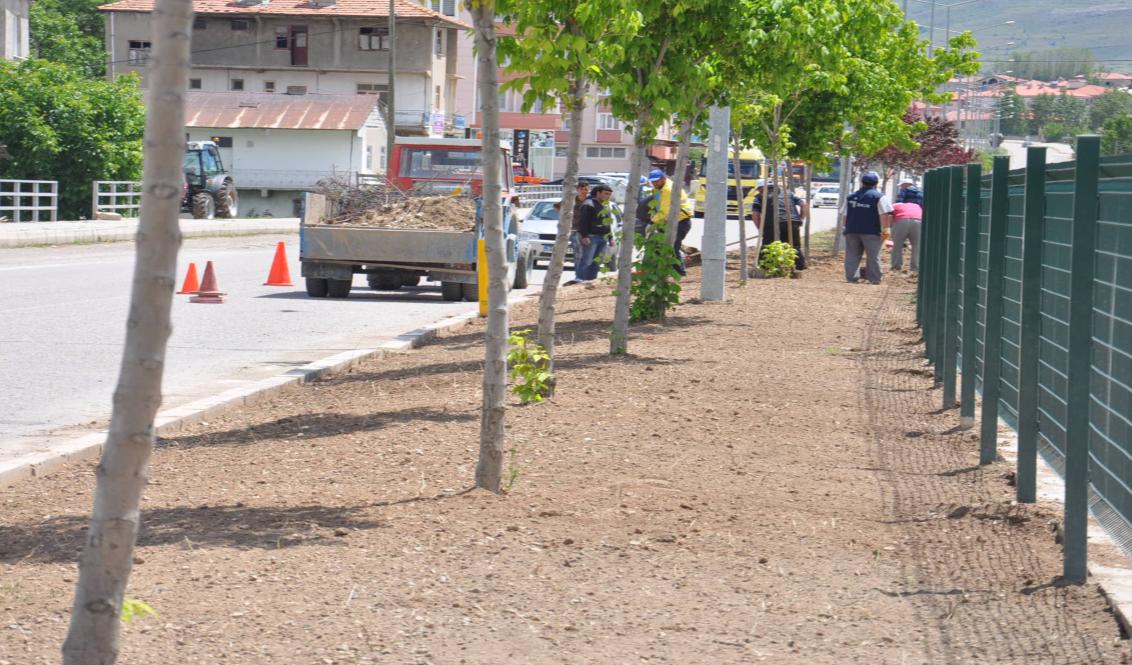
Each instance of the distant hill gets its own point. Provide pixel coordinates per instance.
(1103, 26)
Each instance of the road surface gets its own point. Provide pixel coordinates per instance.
(62, 327)
(1055, 152)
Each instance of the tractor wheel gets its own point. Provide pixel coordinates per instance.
(384, 282)
(451, 291)
(227, 202)
(339, 288)
(317, 287)
(408, 279)
(204, 207)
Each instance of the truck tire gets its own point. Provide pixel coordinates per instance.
(409, 279)
(317, 287)
(339, 288)
(204, 207)
(523, 271)
(227, 202)
(471, 292)
(451, 291)
(384, 282)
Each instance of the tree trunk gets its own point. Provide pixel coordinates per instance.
(678, 180)
(122, 473)
(744, 256)
(489, 470)
(548, 298)
(788, 199)
(619, 337)
(809, 207)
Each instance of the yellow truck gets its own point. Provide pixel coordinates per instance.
(751, 168)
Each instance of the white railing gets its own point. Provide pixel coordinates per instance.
(29, 200)
(119, 196)
(528, 194)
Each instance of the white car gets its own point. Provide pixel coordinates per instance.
(540, 228)
(827, 195)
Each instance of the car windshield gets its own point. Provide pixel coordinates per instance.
(191, 162)
(543, 210)
(828, 190)
(440, 163)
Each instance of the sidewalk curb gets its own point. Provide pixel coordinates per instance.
(172, 421)
(41, 234)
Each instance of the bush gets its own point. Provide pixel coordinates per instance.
(777, 259)
(59, 125)
(656, 282)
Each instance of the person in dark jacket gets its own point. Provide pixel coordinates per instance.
(775, 225)
(868, 213)
(909, 193)
(595, 224)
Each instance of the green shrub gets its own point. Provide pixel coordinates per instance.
(777, 259)
(656, 283)
(530, 367)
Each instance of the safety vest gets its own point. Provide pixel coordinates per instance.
(862, 212)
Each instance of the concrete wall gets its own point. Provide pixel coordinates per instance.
(14, 29)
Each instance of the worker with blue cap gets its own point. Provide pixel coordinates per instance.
(660, 204)
(868, 215)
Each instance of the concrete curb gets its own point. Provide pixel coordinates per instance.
(172, 421)
(77, 233)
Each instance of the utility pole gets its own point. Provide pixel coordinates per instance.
(715, 202)
(390, 114)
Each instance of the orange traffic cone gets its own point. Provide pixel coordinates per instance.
(209, 291)
(280, 274)
(192, 284)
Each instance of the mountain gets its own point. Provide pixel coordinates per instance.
(1102, 26)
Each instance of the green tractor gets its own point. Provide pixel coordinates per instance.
(209, 190)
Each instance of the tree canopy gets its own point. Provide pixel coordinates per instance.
(69, 32)
(59, 125)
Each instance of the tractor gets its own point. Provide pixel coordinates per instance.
(209, 189)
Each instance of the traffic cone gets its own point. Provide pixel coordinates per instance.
(280, 274)
(209, 291)
(192, 284)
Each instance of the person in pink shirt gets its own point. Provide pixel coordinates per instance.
(906, 226)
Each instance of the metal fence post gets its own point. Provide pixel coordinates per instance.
(1030, 325)
(923, 280)
(951, 283)
(943, 184)
(931, 268)
(992, 329)
(1085, 189)
(970, 293)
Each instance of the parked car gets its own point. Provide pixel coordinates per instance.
(540, 228)
(616, 184)
(827, 195)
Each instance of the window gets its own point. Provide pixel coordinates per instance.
(604, 152)
(372, 89)
(211, 161)
(440, 163)
(560, 150)
(199, 24)
(440, 41)
(565, 122)
(282, 39)
(240, 24)
(194, 84)
(296, 90)
(436, 102)
(139, 52)
(373, 39)
(607, 121)
(236, 84)
(446, 7)
(269, 86)
(369, 157)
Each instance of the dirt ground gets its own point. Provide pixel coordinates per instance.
(453, 213)
(763, 480)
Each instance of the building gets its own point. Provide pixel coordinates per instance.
(262, 138)
(308, 46)
(15, 33)
(1114, 80)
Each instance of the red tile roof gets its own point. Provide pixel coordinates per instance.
(341, 8)
(236, 110)
(1112, 76)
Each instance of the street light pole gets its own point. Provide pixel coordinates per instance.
(390, 114)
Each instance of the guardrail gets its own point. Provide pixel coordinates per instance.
(118, 196)
(1025, 296)
(29, 200)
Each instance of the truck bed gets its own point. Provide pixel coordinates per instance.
(336, 243)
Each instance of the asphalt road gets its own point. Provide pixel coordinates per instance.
(821, 219)
(62, 316)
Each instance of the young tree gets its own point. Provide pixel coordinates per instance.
(557, 50)
(107, 558)
(937, 144)
(60, 125)
(1116, 137)
(489, 470)
(1012, 113)
(1112, 104)
(69, 32)
(1043, 110)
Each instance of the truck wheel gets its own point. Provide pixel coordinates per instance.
(523, 271)
(451, 291)
(317, 287)
(471, 292)
(408, 279)
(227, 202)
(339, 288)
(204, 207)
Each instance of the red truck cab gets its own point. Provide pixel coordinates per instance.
(443, 166)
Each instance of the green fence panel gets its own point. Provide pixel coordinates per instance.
(952, 281)
(1026, 477)
(1012, 298)
(968, 293)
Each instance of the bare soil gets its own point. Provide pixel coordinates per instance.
(453, 213)
(763, 480)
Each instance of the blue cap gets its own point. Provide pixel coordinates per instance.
(644, 181)
(656, 174)
(870, 177)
